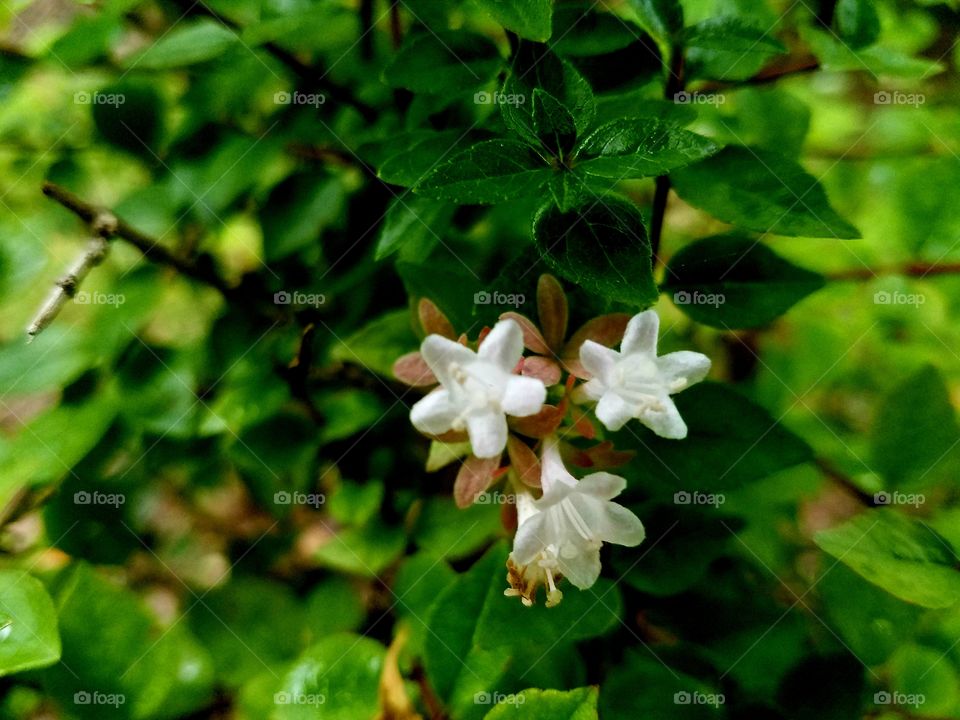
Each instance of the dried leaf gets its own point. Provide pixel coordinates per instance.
(475, 476)
(552, 310)
(540, 425)
(532, 338)
(524, 461)
(411, 369)
(395, 704)
(433, 321)
(544, 369)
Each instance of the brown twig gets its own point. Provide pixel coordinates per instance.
(674, 85)
(150, 248)
(297, 373)
(914, 269)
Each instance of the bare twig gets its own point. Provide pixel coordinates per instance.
(914, 269)
(674, 85)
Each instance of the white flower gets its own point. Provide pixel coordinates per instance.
(560, 534)
(478, 389)
(635, 383)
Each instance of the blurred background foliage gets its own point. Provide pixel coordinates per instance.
(205, 593)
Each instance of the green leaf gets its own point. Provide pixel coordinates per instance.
(365, 551)
(640, 147)
(443, 63)
(733, 282)
(602, 246)
(489, 172)
(661, 18)
(916, 430)
(553, 123)
(857, 22)
(835, 56)
(927, 676)
(422, 152)
(728, 48)
(134, 122)
(642, 686)
(336, 679)
(444, 530)
(578, 704)
(412, 227)
(903, 556)
(186, 44)
(716, 455)
(762, 191)
(28, 624)
(537, 67)
(377, 344)
(530, 19)
(297, 212)
(581, 30)
(478, 635)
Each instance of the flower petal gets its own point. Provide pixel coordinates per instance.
(612, 522)
(523, 396)
(602, 485)
(488, 433)
(531, 539)
(598, 360)
(439, 352)
(503, 345)
(582, 570)
(434, 414)
(690, 366)
(613, 411)
(641, 334)
(665, 422)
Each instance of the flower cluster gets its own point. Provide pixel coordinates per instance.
(494, 399)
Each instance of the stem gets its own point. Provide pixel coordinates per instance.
(840, 478)
(674, 84)
(915, 269)
(151, 249)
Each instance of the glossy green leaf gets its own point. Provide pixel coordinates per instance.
(492, 171)
(661, 18)
(412, 227)
(530, 19)
(762, 191)
(578, 704)
(443, 63)
(857, 22)
(905, 557)
(640, 147)
(602, 246)
(186, 44)
(733, 282)
(28, 624)
(729, 48)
